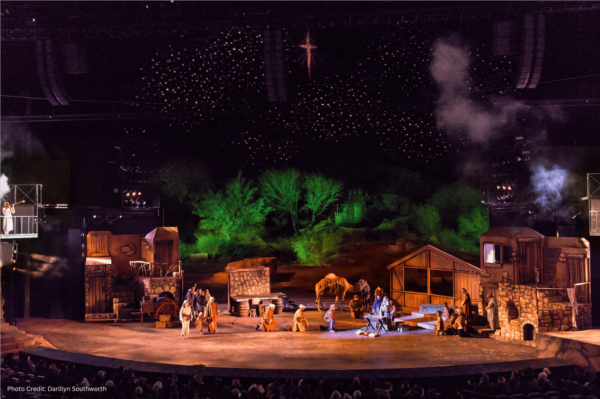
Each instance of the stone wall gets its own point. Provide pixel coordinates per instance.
(582, 354)
(249, 281)
(549, 312)
(155, 286)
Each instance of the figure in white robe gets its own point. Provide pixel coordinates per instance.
(7, 223)
(185, 316)
(492, 313)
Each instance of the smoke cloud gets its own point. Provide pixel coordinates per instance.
(457, 112)
(548, 186)
(4, 185)
(18, 137)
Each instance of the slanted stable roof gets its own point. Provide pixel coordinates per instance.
(460, 264)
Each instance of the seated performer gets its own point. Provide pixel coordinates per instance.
(461, 324)
(448, 325)
(330, 318)
(439, 325)
(300, 322)
(446, 314)
(269, 323)
(356, 308)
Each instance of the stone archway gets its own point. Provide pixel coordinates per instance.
(528, 332)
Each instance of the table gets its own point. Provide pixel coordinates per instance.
(379, 322)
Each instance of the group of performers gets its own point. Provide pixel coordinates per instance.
(201, 307)
(459, 322)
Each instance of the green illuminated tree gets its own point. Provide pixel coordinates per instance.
(283, 191)
(234, 214)
(427, 220)
(320, 193)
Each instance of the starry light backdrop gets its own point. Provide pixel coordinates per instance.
(370, 86)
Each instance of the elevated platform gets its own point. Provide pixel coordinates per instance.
(580, 348)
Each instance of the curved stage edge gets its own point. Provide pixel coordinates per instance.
(239, 350)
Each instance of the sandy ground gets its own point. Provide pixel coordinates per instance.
(238, 345)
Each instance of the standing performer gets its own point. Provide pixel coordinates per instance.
(212, 313)
(7, 211)
(466, 307)
(330, 318)
(190, 297)
(300, 322)
(269, 323)
(200, 308)
(492, 313)
(185, 316)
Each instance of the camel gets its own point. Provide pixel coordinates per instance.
(338, 286)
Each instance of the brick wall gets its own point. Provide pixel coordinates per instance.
(154, 286)
(249, 281)
(550, 311)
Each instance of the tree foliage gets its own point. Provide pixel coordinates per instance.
(234, 214)
(316, 247)
(283, 190)
(427, 220)
(320, 192)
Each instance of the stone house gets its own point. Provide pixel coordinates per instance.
(541, 283)
(121, 269)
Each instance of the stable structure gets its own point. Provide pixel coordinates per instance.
(122, 270)
(542, 284)
(432, 276)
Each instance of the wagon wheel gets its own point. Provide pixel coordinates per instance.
(168, 307)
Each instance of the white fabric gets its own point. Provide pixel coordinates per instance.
(7, 224)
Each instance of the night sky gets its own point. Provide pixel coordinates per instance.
(371, 94)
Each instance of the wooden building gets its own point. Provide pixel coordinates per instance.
(121, 269)
(432, 276)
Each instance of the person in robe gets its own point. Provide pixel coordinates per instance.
(212, 313)
(461, 324)
(439, 325)
(492, 313)
(446, 314)
(300, 322)
(199, 303)
(385, 306)
(366, 297)
(376, 309)
(448, 325)
(356, 308)
(269, 323)
(330, 318)
(190, 297)
(202, 298)
(466, 307)
(185, 316)
(7, 223)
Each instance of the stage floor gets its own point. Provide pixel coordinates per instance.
(238, 345)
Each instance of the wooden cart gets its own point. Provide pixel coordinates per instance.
(158, 306)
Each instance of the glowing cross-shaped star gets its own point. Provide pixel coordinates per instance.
(308, 47)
